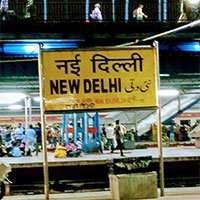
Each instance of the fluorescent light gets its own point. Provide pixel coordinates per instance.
(36, 99)
(11, 98)
(164, 75)
(31, 48)
(193, 1)
(15, 107)
(168, 92)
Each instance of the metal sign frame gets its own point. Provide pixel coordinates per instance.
(71, 108)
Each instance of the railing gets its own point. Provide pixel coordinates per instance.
(112, 10)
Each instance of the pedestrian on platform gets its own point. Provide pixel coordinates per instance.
(38, 143)
(96, 13)
(30, 138)
(118, 131)
(4, 10)
(19, 133)
(110, 136)
(79, 145)
(138, 14)
(103, 137)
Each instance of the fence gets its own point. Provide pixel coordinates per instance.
(112, 10)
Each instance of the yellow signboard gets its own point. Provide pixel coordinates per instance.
(99, 79)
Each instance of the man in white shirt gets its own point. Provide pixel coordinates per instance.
(110, 136)
(138, 13)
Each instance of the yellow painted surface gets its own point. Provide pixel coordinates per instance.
(115, 78)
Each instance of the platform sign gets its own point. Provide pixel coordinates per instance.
(99, 79)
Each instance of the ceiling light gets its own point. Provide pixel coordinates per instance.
(11, 98)
(166, 92)
(15, 107)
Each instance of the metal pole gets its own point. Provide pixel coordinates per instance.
(126, 10)
(179, 102)
(45, 10)
(190, 25)
(165, 11)
(159, 10)
(135, 120)
(30, 109)
(44, 137)
(113, 11)
(159, 130)
(87, 9)
(161, 161)
(26, 113)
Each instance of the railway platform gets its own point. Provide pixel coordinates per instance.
(178, 153)
(183, 193)
(181, 164)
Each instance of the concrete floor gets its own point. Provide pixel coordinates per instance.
(184, 193)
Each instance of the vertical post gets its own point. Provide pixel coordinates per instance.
(75, 135)
(98, 126)
(126, 10)
(159, 10)
(159, 130)
(87, 9)
(44, 137)
(135, 120)
(85, 128)
(66, 13)
(165, 10)
(113, 11)
(64, 128)
(179, 102)
(26, 112)
(30, 109)
(45, 10)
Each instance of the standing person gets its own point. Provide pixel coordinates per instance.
(79, 145)
(119, 137)
(4, 9)
(96, 13)
(19, 133)
(30, 136)
(38, 143)
(138, 13)
(110, 136)
(30, 11)
(103, 136)
(55, 135)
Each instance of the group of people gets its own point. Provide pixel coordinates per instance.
(178, 132)
(18, 141)
(71, 149)
(138, 13)
(95, 15)
(113, 136)
(29, 10)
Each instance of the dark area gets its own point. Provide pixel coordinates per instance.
(74, 178)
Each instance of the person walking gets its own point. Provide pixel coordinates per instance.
(138, 13)
(38, 144)
(110, 136)
(96, 13)
(119, 137)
